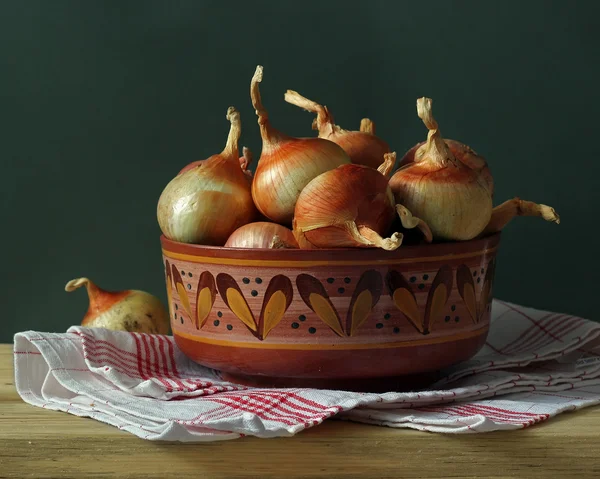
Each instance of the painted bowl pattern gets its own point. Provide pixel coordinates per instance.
(330, 313)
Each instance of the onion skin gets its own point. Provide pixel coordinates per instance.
(445, 199)
(351, 206)
(244, 163)
(363, 147)
(208, 201)
(130, 310)
(261, 234)
(463, 153)
(281, 176)
(454, 200)
(286, 164)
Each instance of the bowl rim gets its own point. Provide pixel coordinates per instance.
(487, 244)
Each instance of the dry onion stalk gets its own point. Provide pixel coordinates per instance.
(504, 213)
(363, 147)
(286, 164)
(210, 200)
(452, 198)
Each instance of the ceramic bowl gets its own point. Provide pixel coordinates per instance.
(329, 318)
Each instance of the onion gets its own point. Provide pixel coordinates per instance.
(352, 205)
(245, 161)
(452, 198)
(130, 310)
(209, 201)
(363, 147)
(286, 164)
(262, 235)
(463, 153)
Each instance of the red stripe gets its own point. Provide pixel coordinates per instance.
(567, 329)
(164, 362)
(299, 398)
(279, 406)
(505, 411)
(494, 348)
(172, 357)
(139, 357)
(530, 334)
(258, 413)
(292, 412)
(498, 413)
(153, 361)
(494, 417)
(213, 412)
(260, 407)
(557, 328)
(89, 343)
(97, 350)
(117, 367)
(172, 365)
(105, 343)
(145, 356)
(96, 357)
(534, 321)
(285, 398)
(26, 352)
(465, 411)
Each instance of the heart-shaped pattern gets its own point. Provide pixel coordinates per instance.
(277, 300)
(366, 295)
(205, 298)
(405, 300)
(466, 289)
(315, 296)
(180, 288)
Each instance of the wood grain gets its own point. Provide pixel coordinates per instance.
(39, 443)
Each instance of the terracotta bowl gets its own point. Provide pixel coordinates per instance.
(330, 318)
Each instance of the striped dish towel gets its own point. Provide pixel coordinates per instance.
(534, 366)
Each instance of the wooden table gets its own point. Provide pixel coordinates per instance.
(38, 443)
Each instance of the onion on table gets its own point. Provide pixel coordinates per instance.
(129, 310)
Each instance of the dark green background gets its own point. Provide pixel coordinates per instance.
(101, 103)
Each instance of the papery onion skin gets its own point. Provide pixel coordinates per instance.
(277, 183)
(260, 234)
(445, 199)
(453, 199)
(463, 153)
(363, 147)
(245, 161)
(332, 202)
(286, 164)
(206, 203)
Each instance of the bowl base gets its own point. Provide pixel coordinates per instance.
(407, 383)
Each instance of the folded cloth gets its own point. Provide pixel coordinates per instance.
(534, 366)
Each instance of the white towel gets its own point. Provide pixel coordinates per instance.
(534, 366)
